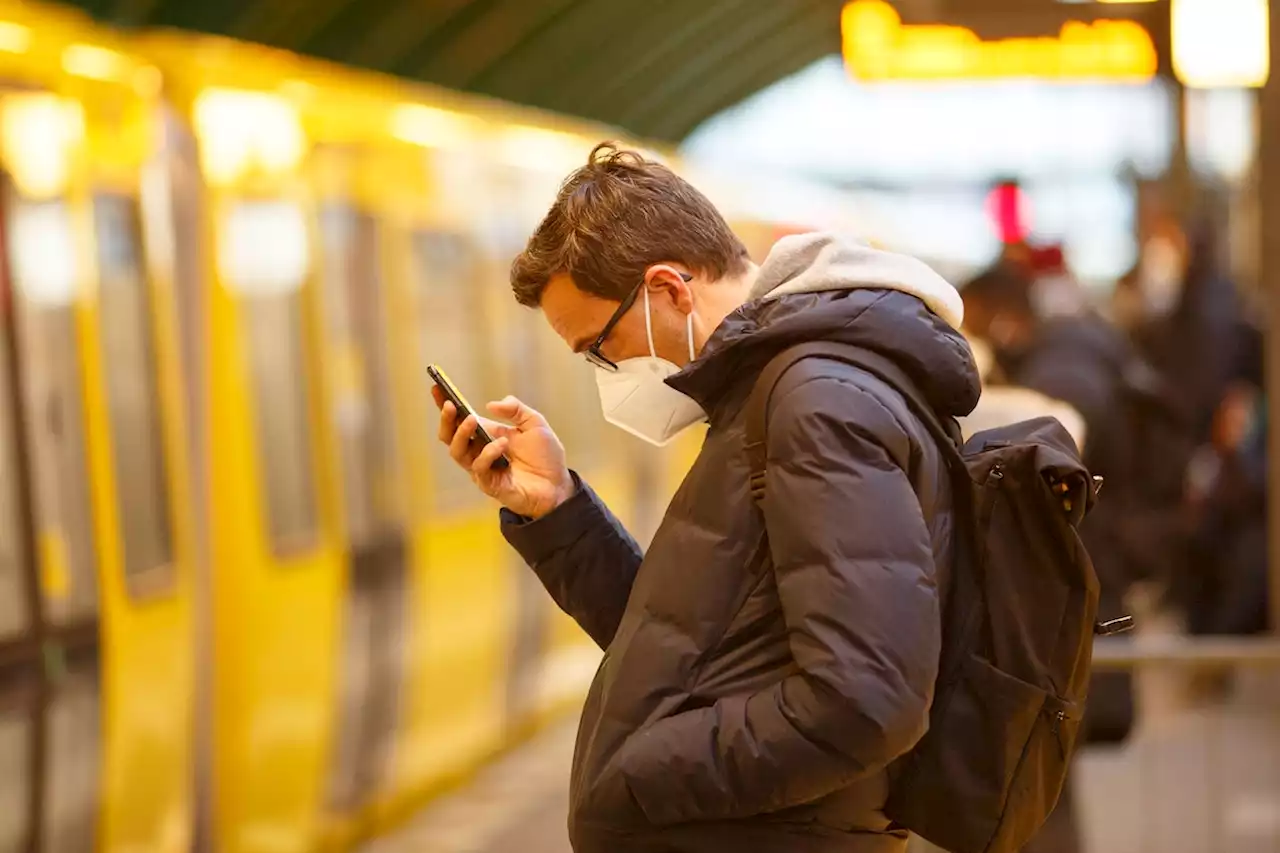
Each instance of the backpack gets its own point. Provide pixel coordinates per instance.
(1018, 622)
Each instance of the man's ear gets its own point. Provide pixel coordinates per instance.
(669, 282)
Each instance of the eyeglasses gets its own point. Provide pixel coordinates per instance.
(593, 353)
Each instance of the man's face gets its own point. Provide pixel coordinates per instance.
(579, 317)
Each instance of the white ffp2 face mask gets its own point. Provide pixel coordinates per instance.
(635, 397)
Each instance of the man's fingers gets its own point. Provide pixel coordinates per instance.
(524, 417)
(459, 447)
(485, 458)
(448, 422)
(498, 430)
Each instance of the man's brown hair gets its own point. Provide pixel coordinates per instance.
(615, 217)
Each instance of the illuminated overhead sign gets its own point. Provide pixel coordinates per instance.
(1221, 43)
(878, 46)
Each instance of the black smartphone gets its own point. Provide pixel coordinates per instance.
(453, 395)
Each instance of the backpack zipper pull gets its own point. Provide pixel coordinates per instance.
(1055, 726)
(1113, 626)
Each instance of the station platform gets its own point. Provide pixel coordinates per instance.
(518, 803)
(1201, 774)
(1203, 779)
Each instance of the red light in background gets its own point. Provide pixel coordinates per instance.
(1006, 207)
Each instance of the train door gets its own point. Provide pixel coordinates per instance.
(519, 369)
(49, 648)
(277, 578)
(173, 201)
(362, 418)
(518, 349)
(277, 566)
(571, 405)
(461, 611)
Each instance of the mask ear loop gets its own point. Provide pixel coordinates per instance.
(648, 328)
(648, 323)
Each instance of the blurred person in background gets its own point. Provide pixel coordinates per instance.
(1082, 360)
(764, 668)
(1225, 591)
(1138, 439)
(1004, 403)
(1189, 322)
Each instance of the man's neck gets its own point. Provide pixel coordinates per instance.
(720, 300)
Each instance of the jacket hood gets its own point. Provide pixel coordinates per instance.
(820, 287)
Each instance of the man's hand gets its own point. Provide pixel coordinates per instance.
(537, 480)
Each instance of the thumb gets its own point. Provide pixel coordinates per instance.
(522, 416)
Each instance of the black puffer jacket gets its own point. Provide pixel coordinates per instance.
(756, 687)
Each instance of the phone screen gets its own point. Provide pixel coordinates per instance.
(453, 395)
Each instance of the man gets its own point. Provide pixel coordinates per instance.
(1086, 362)
(764, 668)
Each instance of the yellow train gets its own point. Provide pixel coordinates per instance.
(247, 604)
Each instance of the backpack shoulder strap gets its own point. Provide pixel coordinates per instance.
(878, 365)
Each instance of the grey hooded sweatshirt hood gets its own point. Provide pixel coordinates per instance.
(822, 287)
(814, 263)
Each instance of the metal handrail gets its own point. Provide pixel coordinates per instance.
(1196, 652)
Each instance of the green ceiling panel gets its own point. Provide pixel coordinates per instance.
(655, 67)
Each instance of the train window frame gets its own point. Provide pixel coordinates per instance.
(368, 439)
(451, 491)
(17, 622)
(44, 295)
(159, 578)
(282, 288)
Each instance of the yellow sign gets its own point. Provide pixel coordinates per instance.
(878, 46)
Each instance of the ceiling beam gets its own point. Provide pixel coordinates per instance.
(399, 30)
(532, 69)
(500, 30)
(784, 52)
(662, 41)
(732, 48)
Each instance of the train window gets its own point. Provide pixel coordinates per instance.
(13, 580)
(263, 257)
(364, 415)
(451, 334)
(142, 488)
(41, 251)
